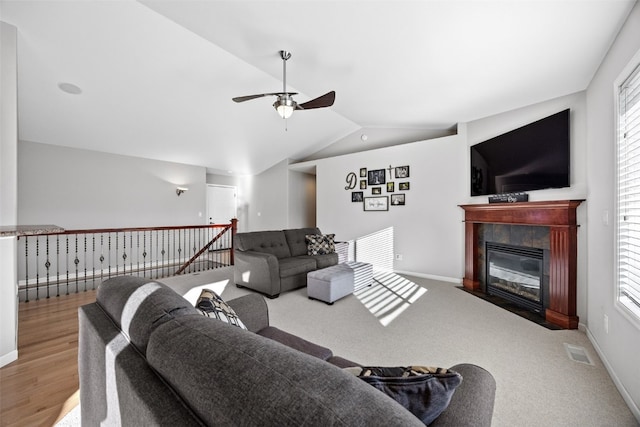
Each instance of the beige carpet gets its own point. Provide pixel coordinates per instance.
(409, 320)
(425, 322)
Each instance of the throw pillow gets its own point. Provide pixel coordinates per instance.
(212, 305)
(320, 244)
(424, 391)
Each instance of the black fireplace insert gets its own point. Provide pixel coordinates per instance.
(515, 273)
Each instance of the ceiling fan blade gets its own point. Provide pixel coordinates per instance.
(250, 97)
(325, 100)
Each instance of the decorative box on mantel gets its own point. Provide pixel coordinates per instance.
(560, 218)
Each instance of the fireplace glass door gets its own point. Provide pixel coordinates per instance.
(515, 273)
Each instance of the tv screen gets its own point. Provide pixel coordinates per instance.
(533, 157)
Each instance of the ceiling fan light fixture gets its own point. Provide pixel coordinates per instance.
(285, 106)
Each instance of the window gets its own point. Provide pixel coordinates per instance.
(628, 197)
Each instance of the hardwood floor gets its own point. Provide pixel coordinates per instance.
(41, 387)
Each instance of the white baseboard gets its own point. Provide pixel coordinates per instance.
(430, 276)
(5, 359)
(623, 391)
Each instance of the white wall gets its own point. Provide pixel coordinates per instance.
(488, 127)
(619, 347)
(302, 200)
(273, 200)
(267, 196)
(427, 230)
(243, 191)
(8, 193)
(78, 189)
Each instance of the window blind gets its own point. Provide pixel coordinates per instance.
(628, 197)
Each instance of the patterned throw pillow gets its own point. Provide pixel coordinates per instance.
(320, 244)
(424, 391)
(212, 305)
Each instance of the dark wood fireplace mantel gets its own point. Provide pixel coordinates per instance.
(560, 217)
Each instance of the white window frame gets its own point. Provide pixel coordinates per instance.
(625, 286)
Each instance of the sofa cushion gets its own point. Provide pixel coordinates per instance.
(324, 261)
(235, 377)
(296, 342)
(424, 391)
(138, 305)
(320, 244)
(212, 305)
(271, 242)
(298, 265)
(296, 239)
(341, 362)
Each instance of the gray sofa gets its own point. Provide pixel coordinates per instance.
(272, 262)
(147, 357)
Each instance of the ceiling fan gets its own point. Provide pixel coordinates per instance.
(285, 105)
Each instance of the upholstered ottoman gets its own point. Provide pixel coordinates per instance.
(332, 283)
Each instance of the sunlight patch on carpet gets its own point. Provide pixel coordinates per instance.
(389, 296)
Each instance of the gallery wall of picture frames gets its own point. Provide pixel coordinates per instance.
(379, 188)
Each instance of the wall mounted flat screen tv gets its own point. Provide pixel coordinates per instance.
(533, 157)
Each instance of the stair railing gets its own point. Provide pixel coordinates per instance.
(79, 260)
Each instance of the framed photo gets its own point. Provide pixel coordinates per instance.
(380, 203)
(403, 186)
(402, 172)
(363, 172)
(357, 196)
(397, 200)
(391, 187)
(363, 184)
(376, 190)
(376, 177)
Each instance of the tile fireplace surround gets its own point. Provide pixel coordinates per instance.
(560, 218)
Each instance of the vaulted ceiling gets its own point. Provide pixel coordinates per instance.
(157, 77)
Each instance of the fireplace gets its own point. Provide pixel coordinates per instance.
(515, 273)
(560, 259)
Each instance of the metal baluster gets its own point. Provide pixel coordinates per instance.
(67, 262)
(37, 269)
(76, 261)
(124, 254)
(158, 271)
(101, 257)
(84, 279)
(57, 265)
(26, 268)
(144, 254)
(109, 254)
(198, 235)
(180, 261)
(93, 261)
(47, 264)
(163, 253)
(138, 252)
(188, 233)
(117, 253)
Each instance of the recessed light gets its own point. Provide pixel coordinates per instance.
(364, 137)
(70, 88)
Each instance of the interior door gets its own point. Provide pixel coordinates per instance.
(221, 208)
(221, 204)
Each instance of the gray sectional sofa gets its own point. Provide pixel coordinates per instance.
(272, 262)
(147, 357)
